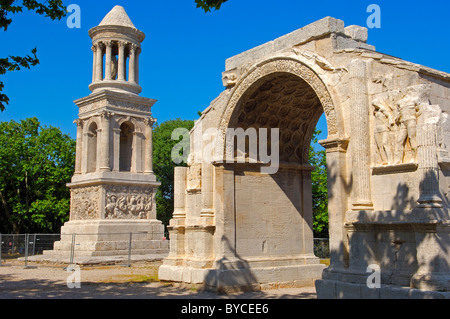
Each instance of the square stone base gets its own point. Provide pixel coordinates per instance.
(332, 289)
(244, 275)
(90, 238)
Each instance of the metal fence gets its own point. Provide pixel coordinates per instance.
(24, 247)
(15, 246)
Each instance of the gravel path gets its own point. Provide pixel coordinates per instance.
(45, 281)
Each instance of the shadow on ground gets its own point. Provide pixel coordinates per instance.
(12, 287)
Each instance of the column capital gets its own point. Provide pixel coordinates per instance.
(149, 121)
(108, 43)
(106, 115)
(133, 48)
(79, 122)
(335, 145)
(100, 45)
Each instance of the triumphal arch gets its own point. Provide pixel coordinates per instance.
(243, 206)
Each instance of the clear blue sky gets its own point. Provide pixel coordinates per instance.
(185, 49)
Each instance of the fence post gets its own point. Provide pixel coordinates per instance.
(129, 250)
(72, 249)
(34, 245)
(26, 250)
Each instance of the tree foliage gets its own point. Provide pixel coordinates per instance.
(36, 162)
(53, 9)
(317, 158)
(163, 165)
(207, 5)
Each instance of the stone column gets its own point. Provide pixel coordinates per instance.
(116, 149)
(137, 152)
(149, 146)
(85, 150)
(94, 62)
(121, 62)
(105, 165)
(132, 64)
(138, 53)
(427, 155)
(99, 62)
(108, 57)
(207, 190)
(99, 149)
(179, 193)
(336, 150)
(360, 136)
(79, 146)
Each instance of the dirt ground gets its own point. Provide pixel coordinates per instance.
(139, 281)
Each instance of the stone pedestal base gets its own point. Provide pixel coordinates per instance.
(230, 275)
(332, 289)
(110, 238)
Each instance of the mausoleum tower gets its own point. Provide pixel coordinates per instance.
(116, 46)
(113, 188)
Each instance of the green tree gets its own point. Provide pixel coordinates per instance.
(54, 9)
(36, 162)
(163, 164)
(317, 158)
(207, 5)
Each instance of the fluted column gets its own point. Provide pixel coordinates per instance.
(121, 63)
(105, 165)
(336, 150)
(179, 192)
(99, 62)
(79, 146)
(428, 165)
(138, 53)
(132, 64)
(116, 149)
(149, 146)
(360, 136)
(207, 190)
(108, 57)
(94, 62)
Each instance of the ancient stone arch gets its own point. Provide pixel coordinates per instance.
(286, 65)
(236, 226)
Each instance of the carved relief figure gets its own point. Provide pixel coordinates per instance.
(110, 206)
(408, 112)
(384, 123)
(84, 203)
(396, 114)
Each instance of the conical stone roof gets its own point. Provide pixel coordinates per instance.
(117, 16)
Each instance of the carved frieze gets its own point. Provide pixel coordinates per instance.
(396, 115)
(194, 177)
(85, 203)
(128, 202)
